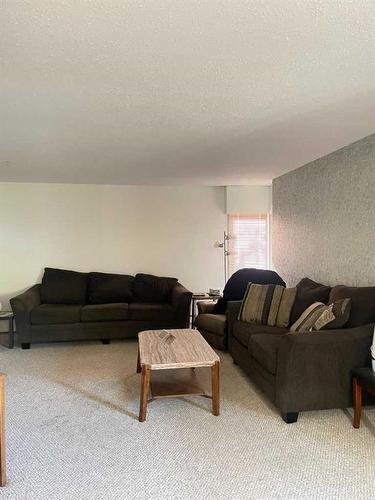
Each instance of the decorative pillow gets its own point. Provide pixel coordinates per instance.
(362, 303)
(308, 292)
(149, 288)
(286, 305)
(267, 304)
(308, 318)
(105, 288)
(236, 286)
(335, 315)
(60, 286)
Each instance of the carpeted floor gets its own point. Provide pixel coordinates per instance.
(72, 433)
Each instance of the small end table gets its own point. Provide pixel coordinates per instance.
(363, 379)
(8, 316)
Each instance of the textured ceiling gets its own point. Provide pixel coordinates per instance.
(181, 91)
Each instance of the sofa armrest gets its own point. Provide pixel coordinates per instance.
(314, 368)
(22, 305)
(205, 307)
(233, 309)
(181, 300)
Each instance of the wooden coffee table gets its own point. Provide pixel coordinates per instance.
(172, 356)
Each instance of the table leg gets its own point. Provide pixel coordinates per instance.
(146, 376)
(192, 312)
(357, 402)
(11, 334)
(139, 368)
(2, 432)
(215, 382)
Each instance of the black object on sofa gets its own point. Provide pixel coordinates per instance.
(211, 320)
(306, 370)
(68, 305)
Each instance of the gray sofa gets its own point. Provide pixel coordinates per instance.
(68, 306)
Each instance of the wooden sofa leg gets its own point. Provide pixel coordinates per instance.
(25, 345)
(105, 341)
(290, 417)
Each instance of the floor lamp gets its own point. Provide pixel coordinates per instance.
(224, 245)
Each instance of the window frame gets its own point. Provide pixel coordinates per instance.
(261, 216)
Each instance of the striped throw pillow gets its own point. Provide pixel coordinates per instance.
(267, 304)
(307, 320)
(335, 315)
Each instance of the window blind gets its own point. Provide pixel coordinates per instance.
(248, 244)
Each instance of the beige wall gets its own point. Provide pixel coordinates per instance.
(323, 218)
(162, 230)
(248, 199)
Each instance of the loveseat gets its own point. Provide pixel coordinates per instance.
(212, 321)
(306, 370)
(69, 305)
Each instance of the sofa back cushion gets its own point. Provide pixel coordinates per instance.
(106, 288)
(362, 303)
(60, 286)
(308, 292)
(149, 288)
(237, 284)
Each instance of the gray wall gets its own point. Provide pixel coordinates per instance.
(324, 218)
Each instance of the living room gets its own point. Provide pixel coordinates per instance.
(187, 293)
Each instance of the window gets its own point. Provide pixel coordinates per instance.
(249, 241)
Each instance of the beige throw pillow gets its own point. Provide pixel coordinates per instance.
(306, 321)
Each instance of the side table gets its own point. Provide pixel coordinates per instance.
(8, 316)
(363, 379)
(197, 297)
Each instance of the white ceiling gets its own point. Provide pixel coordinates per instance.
(181, 91)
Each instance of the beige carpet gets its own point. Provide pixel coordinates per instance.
(73, 433)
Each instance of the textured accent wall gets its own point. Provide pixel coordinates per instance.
(324, 218)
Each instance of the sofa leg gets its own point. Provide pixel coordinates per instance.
(25, 345)
(290, 417)
(105, 341)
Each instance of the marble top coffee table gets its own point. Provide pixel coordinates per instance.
(167, 359)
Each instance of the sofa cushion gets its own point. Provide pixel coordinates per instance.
(308, 292)
(236, 285)
(149, 288)
(264, 348)
(214, 323)
(362, 303)
(47, 314)
(243, 331)
(60, 286)
(150, 312)
(105, 288)
(105, 312)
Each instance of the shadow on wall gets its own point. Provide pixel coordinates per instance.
(288, 143)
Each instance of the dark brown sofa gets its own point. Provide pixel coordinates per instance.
(307, 370)
(70, 306)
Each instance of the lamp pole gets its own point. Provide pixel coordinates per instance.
(226, 253)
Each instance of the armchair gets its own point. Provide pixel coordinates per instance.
(212, 318)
